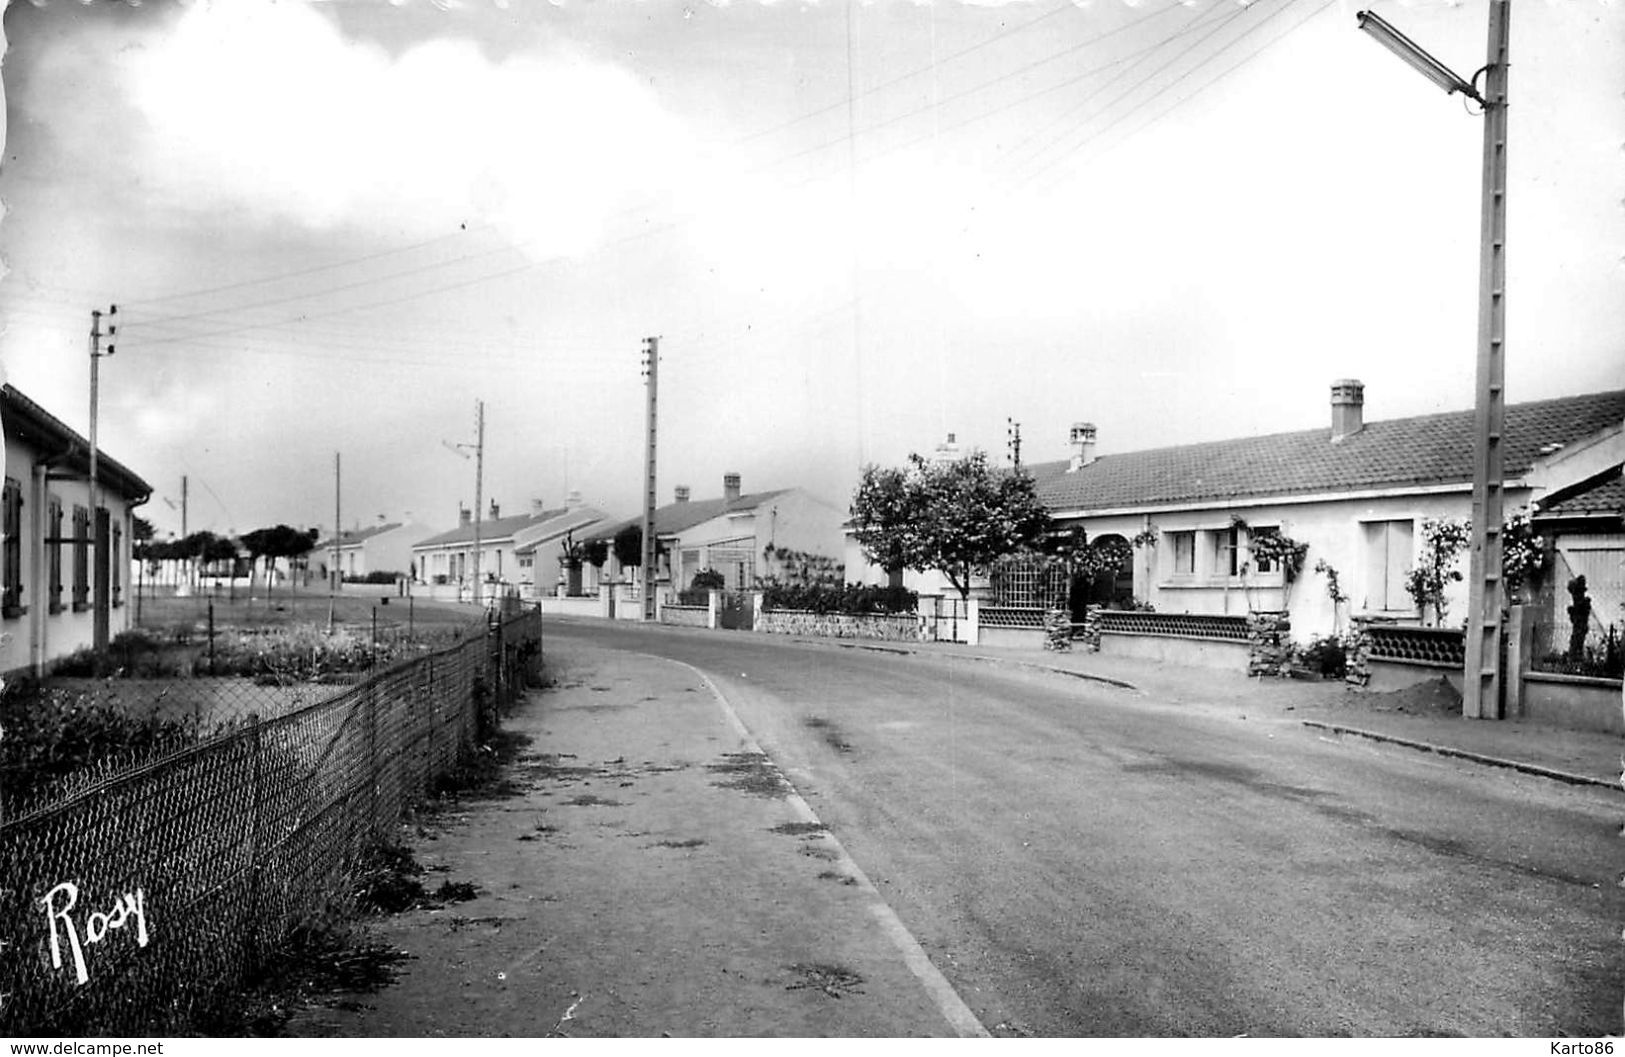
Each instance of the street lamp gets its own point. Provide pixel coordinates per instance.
(1417, 59)
(1481, 683)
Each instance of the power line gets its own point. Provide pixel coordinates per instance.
(1212, 32)
(1225, 73)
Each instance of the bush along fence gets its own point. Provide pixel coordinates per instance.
(140, 903)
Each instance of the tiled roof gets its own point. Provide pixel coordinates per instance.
(1604, 495)
(491, 529)
(1424, 450)
(679, 517)
(351, 539)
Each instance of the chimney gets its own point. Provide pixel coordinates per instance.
(1082, 438)
(465, 516)
(496, 511)
(572, 498)
(730, 486)
(537, 508)
(682, 493)
(1348, 408)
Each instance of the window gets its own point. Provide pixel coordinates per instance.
(81, 559)
(1388, 554)
(1184, 552)
(53, 544)
(115, 563)
(1226, 553)
(11, 560)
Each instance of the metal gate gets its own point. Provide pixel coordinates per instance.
(738, 611)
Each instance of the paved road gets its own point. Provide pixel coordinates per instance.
(1078, 859)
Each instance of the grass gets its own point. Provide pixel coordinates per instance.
(354, 610)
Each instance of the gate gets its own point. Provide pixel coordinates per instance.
(738, 611)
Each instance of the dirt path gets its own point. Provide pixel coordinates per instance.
(651, 874)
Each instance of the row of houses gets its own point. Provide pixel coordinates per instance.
(1356, 492)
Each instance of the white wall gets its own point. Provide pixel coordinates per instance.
(1338, 532)
(40, 636)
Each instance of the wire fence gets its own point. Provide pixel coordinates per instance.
(136, 903)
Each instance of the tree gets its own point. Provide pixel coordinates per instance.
(953, 516)
(628, 546)
(1443, 540)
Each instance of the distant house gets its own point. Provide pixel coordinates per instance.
(744, 536)
(54, 583)
(1356, 493)
(508, 546)
(382, 548)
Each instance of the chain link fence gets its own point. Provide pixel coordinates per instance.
(135, 903)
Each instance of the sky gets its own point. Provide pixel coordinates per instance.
(332, 229)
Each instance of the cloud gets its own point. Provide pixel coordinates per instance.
(270, 112)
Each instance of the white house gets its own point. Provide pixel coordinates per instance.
(507, 546)
(385, 547)
(746, 537)
(56, 584)
(1356, 492)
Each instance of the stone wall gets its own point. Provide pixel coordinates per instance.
(904, 627)
(1269, 643)
(1091, 628)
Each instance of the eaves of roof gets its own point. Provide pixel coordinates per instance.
(1603, 496)
(51, 436)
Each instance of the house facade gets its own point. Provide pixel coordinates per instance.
(385, 547)
(1356, 493)
(508, 547)
(746, 537)
(55, 582)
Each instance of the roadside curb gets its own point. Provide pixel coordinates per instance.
(905, 651)
(1463, 754)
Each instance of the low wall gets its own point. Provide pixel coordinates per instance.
(904, 627)
(1383, 674)
(1574, 702)
(1199, 653)
(572, 607)
(1010, 638)
(686, 616)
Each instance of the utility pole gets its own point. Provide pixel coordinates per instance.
(651, 371)
(1481, 690)
(479, 489)
(1012, 433)
(188, 585)
(338, 529)
(98, 517)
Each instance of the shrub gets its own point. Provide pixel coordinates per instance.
(50, 733)
(381, 577)
(849, 598)
(1326, 655)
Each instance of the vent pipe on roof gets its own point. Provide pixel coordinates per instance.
(1348, 408)
(730, 486)
(465, 516)
(572, 498)
(682, 493)
(496, 511)
(1082, 439)
(537, 507)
